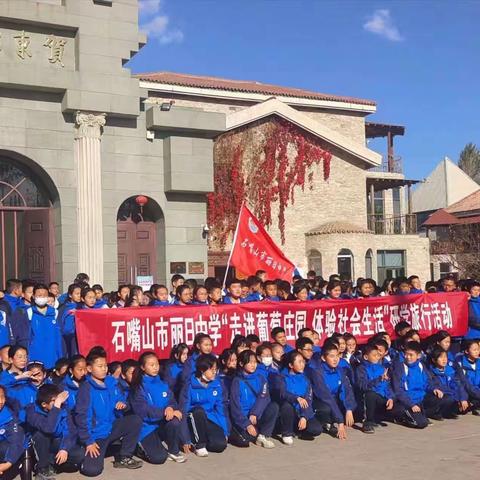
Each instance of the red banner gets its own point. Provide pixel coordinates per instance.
(127, 332)
(253, 250)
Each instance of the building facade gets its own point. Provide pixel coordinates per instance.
(360, 221)
(92, 179)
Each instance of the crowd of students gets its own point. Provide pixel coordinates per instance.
(73, 410)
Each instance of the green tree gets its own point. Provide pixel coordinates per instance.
(469, 161)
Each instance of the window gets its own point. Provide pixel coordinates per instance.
(369, 264)
(345, 264)
(315, 261)
(445, 269)
(397, 211)
(378, 203)
(390, 264)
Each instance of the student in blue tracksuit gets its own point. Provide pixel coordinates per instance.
(54, 435)
(373, 383)
(200, 295)
(254, 285)
(441, 339)
(99, 421)
(152, 400)
(418, 395)
(202, 345)
(160, 297)
(202, 400)
(234, 289)
(279, 336)
(38, 330)
(468, 365)
(66, 318)
(271, 292)
(5, 328)
(27, 293)
(174, 367)
(25, 392)
(11, 435)
(15, 372)
(13, 294)
(77, 371)
(474, 312)
(227, 370)
(252, 412)
(296, 396)
(333, 399)
(449, 381)
(89, 299)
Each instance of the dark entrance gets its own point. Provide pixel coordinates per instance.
(26, 229)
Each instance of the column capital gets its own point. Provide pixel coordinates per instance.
(89, 125)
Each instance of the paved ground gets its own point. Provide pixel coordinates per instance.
(446, 450)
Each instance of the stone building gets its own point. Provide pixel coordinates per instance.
(360, 221)
(91, 178)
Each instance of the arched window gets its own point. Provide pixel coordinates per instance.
(369, 263)
(315, 261)
(345, 264)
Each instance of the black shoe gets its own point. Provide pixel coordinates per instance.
(452, 416)
(127, 462)
(368, 427)
(476, 413)
(333, 431)
(45, 474)
(437, 416)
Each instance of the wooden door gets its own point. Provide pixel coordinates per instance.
(136, 244)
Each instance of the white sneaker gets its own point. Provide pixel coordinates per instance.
(264, 442)
(201, 452)
(180, 457)
(287, 440)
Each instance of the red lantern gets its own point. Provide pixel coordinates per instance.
(141, 200)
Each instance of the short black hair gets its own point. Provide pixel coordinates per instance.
(401, 325)
(46, 393)
(378, 342)
(127, 364)
(302, 342)
(436, 354)
(94, 354)
(244, 357)
(414, 347)
(205, 362)
(233, 281)
(276, 330)
(369, 347)
(39, 286)
(466, 344)
(12, 284)
(303, 330)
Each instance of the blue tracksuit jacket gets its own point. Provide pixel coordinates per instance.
(293, 385)
(331, 386)
(11, 434)
(150, 401)
(95, 411)
(40, 334)
(23, 393)
(249, 395)
(72, 387)
(368, 377)
(470, 375)
(449, 382)
(58, 423)
(173, 374)
(473, 318)
(66, 317)
(411, 382)
(210, 398)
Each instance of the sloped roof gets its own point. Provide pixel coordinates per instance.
(274, 106)
(246, 86)
(337, 227)
(469, 203)
(440, 217)
(445, 185)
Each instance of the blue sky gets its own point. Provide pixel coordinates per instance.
(419, 60)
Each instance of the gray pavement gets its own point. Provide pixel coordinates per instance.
(446, 450)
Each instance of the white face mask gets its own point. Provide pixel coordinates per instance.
(41, 301)
(267, 361)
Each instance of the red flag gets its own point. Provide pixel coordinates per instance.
(253, 250)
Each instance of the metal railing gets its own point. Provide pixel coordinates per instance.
(394, 225)
(395, 167)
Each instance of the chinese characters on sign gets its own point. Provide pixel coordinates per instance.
(22, 43)
(131, 331)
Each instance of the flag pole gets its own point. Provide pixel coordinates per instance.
(233, 246)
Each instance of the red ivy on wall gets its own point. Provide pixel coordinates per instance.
(262, 163)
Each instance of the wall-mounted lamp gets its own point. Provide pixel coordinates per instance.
(205, 231)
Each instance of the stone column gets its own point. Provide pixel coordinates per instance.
(88, 132)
